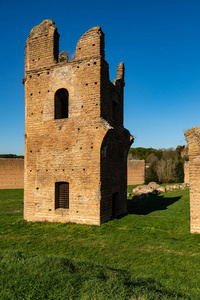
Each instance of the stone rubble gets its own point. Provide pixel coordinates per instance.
(144, 191)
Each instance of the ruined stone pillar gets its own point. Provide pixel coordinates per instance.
(193, 139)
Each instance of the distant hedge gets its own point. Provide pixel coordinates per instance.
(11, 156)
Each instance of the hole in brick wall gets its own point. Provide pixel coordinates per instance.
(81, 148)
(79, 48)
(46, 170)
(48, 91)
(37, 170)
(83, 169)
(37, 188)
(56, 170)
(81, 106)
(72, 169)
(42, 112)
(63, 170)
(31, 151)
(95, 63)
(78, 128)
(38, 58)
(93, 45)
(96, 127)
(33, 59)
(86, 84)
(31, 94)
(77, 211)
(91, 147)
(30, 76)
(77, 67)
(31, 113)
(67, 148)
(88, 64)
(95, 83)
(96, 104)
(30, 170)
(39, 92)
(38, 75)
(49, 209)
(47, 73)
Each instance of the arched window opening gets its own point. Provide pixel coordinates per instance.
(61, 104)
(61, 195)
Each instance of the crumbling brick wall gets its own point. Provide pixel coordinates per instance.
(135, 172)
(193, 139)
(75, 143)
(186, 172)
(11, 173)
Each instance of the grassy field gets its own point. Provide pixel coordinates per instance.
(148, 254)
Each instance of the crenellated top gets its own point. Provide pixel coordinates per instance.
(91, 44)
(42, 28)
(193, 139)
(42, 46)
(119, 81)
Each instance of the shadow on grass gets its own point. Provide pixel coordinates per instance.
(28, 274)
(150, 204)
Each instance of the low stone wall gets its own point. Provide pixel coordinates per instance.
(135, 172)
(11, 173)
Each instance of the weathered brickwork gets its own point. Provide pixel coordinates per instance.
(193, 140)
(186, 172)
(135, 172)
(75, 143)
(11, 173)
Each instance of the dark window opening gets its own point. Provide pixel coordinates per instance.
(61, 104)
(61, 195)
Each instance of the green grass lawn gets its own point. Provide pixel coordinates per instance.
(148, 254)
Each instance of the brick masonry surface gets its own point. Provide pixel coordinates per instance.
(135, 172)
(193, 139)
(75, 143)
(186, 172)
(11, 173)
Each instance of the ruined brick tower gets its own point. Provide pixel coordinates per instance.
(75, 143)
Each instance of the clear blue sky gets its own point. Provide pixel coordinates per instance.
(158, 40)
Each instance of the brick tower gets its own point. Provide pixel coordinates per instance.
(75, 143)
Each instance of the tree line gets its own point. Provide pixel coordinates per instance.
(162, 165)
